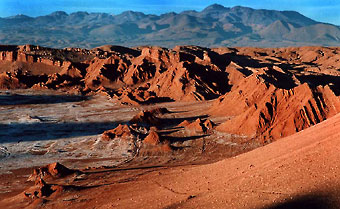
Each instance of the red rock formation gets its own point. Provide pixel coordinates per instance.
(42, 190)
(106, 72)
(54, 170)
(137, 96)
(199, 125)
(146, 118)
(208, 124)
(152, 138)
(70, 70)
(9, 81)
(183, 77)
(254, 85)
(8, 56)
(185, 123)
(121, 131)
(262, 110)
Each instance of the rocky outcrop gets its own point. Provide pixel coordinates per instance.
(260, 109)
(121, 132)
(199, 125)
(152, 138)
(10, 81)
(42, 190)
(54, 170)
(186, 73)
(146, 118)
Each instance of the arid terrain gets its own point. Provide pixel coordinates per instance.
(152, 127)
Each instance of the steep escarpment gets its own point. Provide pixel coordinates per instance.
(184, 73)
(262, 110)
(281, 92)
(135, 76)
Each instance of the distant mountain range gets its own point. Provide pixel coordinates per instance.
(216, 25)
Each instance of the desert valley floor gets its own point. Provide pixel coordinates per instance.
(188, 127)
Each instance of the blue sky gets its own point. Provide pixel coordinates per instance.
(320, 10)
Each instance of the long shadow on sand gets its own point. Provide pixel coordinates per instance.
(310, 201)
(183, 139)
(175, 121)
(20, 99)
(17, 132)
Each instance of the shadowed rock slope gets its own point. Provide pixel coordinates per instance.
(264, 93)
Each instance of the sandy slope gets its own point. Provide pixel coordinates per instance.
(300, 171)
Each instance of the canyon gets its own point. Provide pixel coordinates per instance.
(188, 123)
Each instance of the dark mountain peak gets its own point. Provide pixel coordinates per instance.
(132, 13)
(96, 16)
(189, 12)
(241, 9)
(130, 16)
(169, 14)
(19, 17)
(215, 7)
(58, 14)
(99, 14)
(79, 14)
